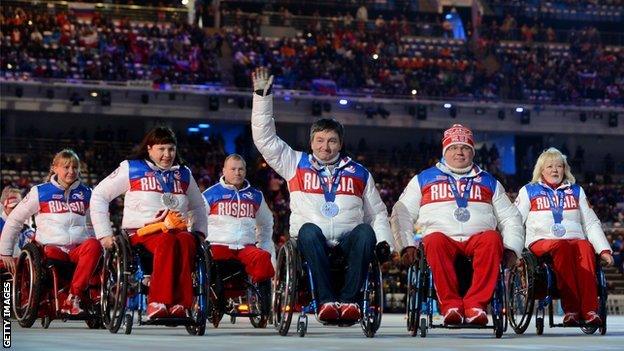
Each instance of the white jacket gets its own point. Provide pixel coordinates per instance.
(238, 218)
(61, 216)
(428, 201)
(357, 197)
(142, 202)
(579, 219)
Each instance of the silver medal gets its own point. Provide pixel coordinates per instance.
(462, 214)
(558, 230)
(169, 200)
(330, 209)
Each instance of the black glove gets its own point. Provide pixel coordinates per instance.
(383, 251)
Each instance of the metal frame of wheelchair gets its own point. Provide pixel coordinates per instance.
(124, 292)
(421, 295)
(293, 291)
(230, 275)
(535, 275)
(40, 282)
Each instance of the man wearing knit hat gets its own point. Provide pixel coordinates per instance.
(459, 207)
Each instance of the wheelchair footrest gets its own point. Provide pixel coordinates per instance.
(462, 326)
(339, 323)
(169, 321)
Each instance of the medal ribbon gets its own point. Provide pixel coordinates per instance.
(167, 186)
(557, 209)
(329, 193)
(462, 201)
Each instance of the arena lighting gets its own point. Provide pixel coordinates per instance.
(447, 105)
(9, 66)
(184, 2)
(343, 102)
(193, 130)
(519, 109)
(375, 56)
(203, 125)
(93, 94)
(414, 91)
(287, 98)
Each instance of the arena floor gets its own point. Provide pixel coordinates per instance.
(241, 336)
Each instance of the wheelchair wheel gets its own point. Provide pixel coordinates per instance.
(94, 323)
(201, 286)
(423, 327)
(114, 284)
(285, 287)
(45, 322)
(127, 323)
(372, 306)
(411, 304)
(521, 293)
(602, 303)
(539, 325)
(263, 291)
(27, 285)
(415, 295)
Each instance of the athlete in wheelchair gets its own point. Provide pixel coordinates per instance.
(459, 208)
(563, 237)
(55, 276)
(238, 217)
(8, 201)
(162, 244)
(335, 206)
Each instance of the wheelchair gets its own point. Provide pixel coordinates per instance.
(421, 295)
(534, 279)
(41, 285)
(293, 291)
(125, 279)
(233, 293)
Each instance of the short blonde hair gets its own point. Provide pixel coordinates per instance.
(547, 155)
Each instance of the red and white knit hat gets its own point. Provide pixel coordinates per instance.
(457, 134)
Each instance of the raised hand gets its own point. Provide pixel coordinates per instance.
(262, 81)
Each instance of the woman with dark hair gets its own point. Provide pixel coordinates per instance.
(162, 206)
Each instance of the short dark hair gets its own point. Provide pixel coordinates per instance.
(157, 135)
(330, 124)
